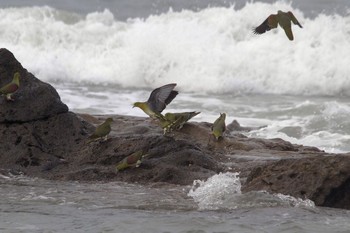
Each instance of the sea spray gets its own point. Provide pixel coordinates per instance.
(209, 51)
(223, 191)
(213, 193)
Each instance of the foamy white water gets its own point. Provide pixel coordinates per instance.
(209, 51)
(223, 191)
(308, 120)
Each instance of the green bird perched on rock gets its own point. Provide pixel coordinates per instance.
(133, 160)
(158, 100)
(284, 19)
(11, 87)
(175, 121)
(102, 130)
(219, 126)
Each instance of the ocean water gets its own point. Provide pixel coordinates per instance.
(103, 55)
(215, 205)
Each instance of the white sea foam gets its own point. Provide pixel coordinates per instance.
(215, 192)
(322, 124)
(223, 191)
(212, 50)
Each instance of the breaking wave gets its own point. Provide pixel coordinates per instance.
(209, 51)
(223, 191)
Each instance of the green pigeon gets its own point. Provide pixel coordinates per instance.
(219, 126)
(11, 87)
(102, 130)
(133, 160)
(284, 19)
(175, 121)
(158, 100)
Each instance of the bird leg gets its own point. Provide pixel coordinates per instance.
(8, 97)
(138, 163)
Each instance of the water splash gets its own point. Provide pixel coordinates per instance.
(216, 191)
(214, 45)
(223, 192)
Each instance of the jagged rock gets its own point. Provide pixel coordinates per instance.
(323, 179)
(31, 145)
(170, 159)
(34, 99)
(39, 137)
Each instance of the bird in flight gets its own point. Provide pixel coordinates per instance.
(284, 19)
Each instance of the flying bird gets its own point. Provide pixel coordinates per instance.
(102, 130)
(219, 126)
(284, 19)
(10, 88)
(158, 100)
(133, 160)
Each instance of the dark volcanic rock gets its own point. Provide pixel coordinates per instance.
(32, 145)
(173, 160)
(323, 179)
(39, 137)
(34, 99)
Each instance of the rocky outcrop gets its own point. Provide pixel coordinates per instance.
(323, 179)
(36, 128)
(34, 99)
(40, 137)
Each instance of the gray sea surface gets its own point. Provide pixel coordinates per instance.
(35, 205)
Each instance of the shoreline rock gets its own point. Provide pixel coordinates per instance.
(34, 99)
(41, 138)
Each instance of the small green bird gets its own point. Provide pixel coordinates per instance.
(133, 160)
(284, 19)
(11, 87)
(102, 130)
(175, 121)
(219, 126)
(158, 100)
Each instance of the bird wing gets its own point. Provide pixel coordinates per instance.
(267, 25)
(294, 20)
(133, 158)
(219, 124)
(161, 96)
(102, 130)
(289, 33)
(171, 96)
(9, 88)
(223, 127)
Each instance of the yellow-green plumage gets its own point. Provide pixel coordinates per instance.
(11, 87)
(284, 19)
(158, 100)
(175, 121)
(102, 130)
(219, 126)
(145, 107)
(133, 160)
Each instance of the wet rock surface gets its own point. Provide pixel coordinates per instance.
(41, 138)
(34, 99)
(323, 179)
